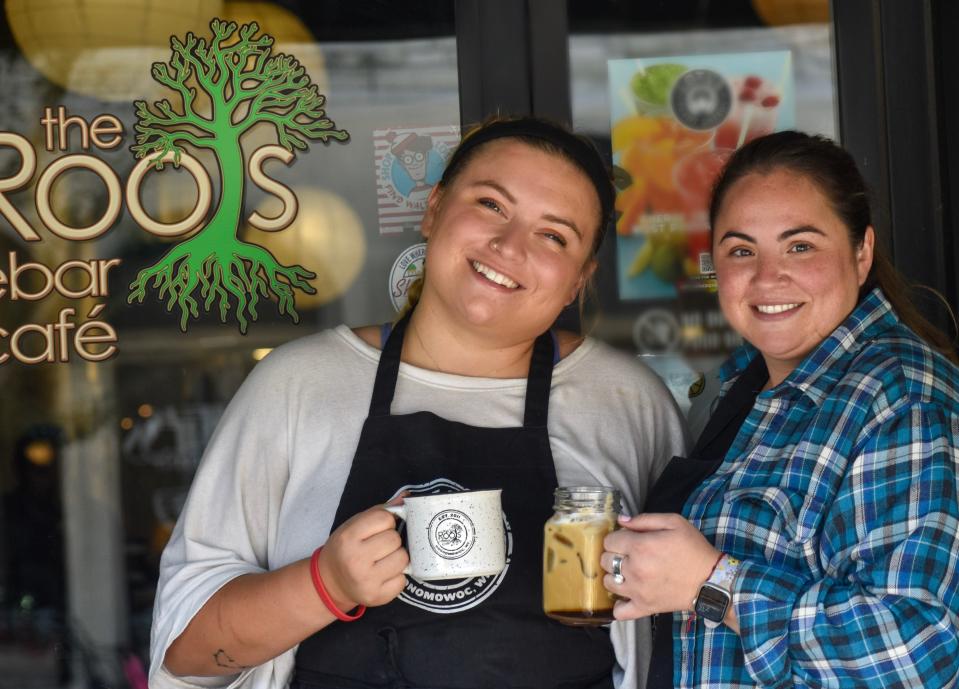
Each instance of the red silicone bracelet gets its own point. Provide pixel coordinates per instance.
(325, 595)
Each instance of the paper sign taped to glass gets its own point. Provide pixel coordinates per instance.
(409, 161)
(675, 121)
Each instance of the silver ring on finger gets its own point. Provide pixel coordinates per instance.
(616, 568)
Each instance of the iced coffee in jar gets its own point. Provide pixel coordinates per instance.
(573, 590)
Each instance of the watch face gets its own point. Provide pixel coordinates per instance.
(711, 603)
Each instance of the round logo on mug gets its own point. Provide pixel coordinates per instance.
(455, 595)
(451, 534)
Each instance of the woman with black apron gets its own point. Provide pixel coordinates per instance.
(403, 645)
(512, 227)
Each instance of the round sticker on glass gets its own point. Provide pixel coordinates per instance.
(407, 267)
(701, 99)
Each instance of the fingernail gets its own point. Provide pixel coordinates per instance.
(623, 518)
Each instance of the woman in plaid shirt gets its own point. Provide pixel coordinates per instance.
(812, 537)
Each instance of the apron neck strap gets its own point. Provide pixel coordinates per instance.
(388, 369)
(537, 383)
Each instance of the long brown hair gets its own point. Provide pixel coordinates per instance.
(833, 171)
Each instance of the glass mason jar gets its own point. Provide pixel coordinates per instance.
(573, 590)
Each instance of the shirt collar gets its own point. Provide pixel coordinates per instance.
(814, 374)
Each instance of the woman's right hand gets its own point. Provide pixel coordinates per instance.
(665, 561)
(362, 562)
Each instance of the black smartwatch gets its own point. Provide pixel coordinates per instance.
(715, 595)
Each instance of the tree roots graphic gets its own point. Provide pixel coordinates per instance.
(243, 85)
(242, 271)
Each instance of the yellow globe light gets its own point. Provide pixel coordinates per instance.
(40, 452)
(326, 237)
(780, 12)
(104, 48)
(290, 35)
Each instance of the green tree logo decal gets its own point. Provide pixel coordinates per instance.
(246, 85)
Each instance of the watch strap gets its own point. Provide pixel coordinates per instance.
(724, 573)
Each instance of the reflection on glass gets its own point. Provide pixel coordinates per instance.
(809, 44)
(685, 334)
(95, 457)
(327, 235)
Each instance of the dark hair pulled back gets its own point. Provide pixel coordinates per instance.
(835, 174)
(546, 136)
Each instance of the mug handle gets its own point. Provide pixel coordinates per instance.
(397, 510)
(400, 511)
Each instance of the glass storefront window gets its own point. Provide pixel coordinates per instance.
(109, 396)
(101, 436)
(810, 45)
(655, 297)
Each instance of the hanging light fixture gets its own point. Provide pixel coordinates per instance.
(326, 237)
(781, 12)
(290, 35)
(104, 48)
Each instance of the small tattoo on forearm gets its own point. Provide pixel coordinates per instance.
(224, 660)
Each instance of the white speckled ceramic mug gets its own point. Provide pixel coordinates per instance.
(454, 535)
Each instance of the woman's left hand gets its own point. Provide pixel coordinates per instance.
(665, 561)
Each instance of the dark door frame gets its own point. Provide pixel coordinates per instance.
(513, 59)
(898, 93)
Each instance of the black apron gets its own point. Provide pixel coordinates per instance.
(466, 633)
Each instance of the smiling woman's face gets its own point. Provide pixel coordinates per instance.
(787, 272)
(510, 240)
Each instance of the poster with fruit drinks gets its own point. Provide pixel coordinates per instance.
(675, 121)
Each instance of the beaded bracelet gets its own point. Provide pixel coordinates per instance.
(325, 595)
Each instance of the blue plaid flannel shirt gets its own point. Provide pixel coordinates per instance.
(840, 496)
